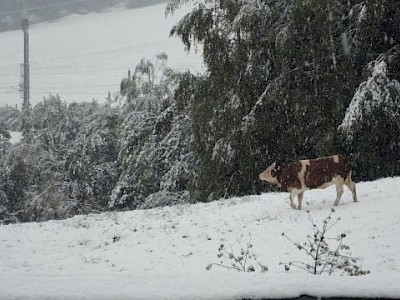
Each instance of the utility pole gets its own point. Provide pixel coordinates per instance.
(25, 78)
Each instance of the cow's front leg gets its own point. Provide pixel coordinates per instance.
(339, 192)
(300, 199)
(291, 197)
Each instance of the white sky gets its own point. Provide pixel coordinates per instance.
(84, 57)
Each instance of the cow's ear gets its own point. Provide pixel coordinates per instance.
(273, 165)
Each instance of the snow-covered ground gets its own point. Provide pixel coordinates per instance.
(163, 253)
(83, 57)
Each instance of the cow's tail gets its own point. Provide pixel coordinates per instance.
(352, 159)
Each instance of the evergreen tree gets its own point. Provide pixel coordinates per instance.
(154, 152)
(280, 75)
(371, 125)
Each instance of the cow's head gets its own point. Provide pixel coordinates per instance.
(270, 174)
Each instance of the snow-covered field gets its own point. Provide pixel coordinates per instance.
(163, 253)
(83, 57)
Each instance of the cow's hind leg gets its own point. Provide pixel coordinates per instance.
(352, 187)
(339, 190)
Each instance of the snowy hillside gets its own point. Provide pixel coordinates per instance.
(163, 253)
(83, 57)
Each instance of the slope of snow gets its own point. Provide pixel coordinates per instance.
(163, 253)
(84, 57)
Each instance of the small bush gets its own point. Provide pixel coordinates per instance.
(245, 261)
(325, 258)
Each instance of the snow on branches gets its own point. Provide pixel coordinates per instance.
(379, 92)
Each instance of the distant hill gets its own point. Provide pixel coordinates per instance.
(11, 11)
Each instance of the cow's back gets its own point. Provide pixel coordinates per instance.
(323, 170)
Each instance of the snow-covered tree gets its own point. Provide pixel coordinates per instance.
(280, 75)
(91, 163)
(371, 125)
(62, 169)
(154, 141)
(88, 157)
(11, 118)
(4, 138)
(238, 40)
(156, 159)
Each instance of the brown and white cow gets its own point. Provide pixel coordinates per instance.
(308, 174)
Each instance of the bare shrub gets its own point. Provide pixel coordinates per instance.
(244, 261)
(324, 257)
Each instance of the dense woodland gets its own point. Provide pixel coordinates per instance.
(284, 80)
